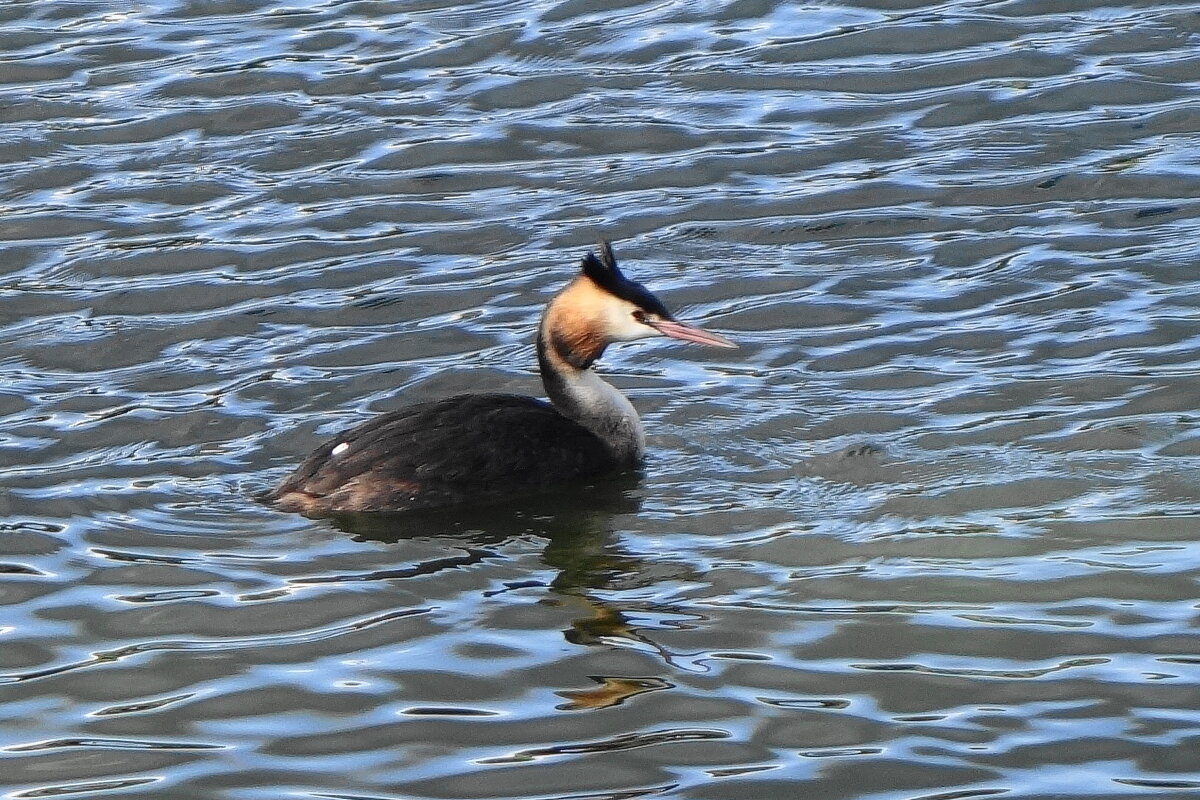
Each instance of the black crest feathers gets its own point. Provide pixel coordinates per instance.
(604, 272)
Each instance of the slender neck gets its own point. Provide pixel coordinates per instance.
(579, 394)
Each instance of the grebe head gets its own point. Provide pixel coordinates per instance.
(602, 306)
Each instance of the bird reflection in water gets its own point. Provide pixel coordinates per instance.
(578, 529)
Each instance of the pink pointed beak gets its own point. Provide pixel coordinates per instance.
(687, 333)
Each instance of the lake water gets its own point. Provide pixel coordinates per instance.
(932, 533)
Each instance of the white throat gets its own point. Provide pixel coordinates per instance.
(581, 395)
(601, 408)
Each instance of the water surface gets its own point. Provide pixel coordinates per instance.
(931, 533)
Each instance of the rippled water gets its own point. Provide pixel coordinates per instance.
(933, 532)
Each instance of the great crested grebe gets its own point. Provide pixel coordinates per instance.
(481, 448)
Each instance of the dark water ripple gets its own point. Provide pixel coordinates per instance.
(930, 534)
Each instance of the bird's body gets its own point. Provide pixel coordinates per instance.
(483, 448)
